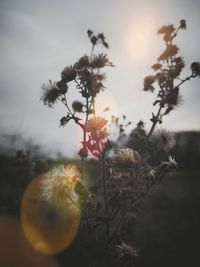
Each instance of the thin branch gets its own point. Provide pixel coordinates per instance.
(66, 104)
(159, 112)
(105, 192)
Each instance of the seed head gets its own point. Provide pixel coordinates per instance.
(164, 140)
(124, 254)
(77, 106)
(126, 157)
(58, 185)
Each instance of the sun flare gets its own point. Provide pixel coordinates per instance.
(139, 38)
(106, 102)
(50, 214)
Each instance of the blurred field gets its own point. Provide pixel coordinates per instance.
(166, 231)
(15, 250)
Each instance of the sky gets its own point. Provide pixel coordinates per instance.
(39, 38)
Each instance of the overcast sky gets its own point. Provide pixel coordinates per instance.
(40, 38)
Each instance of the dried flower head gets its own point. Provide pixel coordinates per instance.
(148, 83)
(179, 65)
(77, 106)
(172, 96)
(102, 38)
(152, 174)
(83, 62)
(167, 32)
(156, 66)
(170, 51)
(50, 93)
(172, 161)
(97, 137)
(164, 140)
(50, 210)
(137, 134)
(89, 32)
(148, 171)
(126, 157)
(124, 254)
(99, 38)
(94, 83)
(183, 24)
(68, 74)
(95, 124)
(103, 133)
(140, 124)
(62, 86)
(58, 185)
(100, 61)
(166, 29)
(195, 67)
(169, 166)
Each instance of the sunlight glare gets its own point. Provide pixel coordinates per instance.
(139, 37)
(104, 101)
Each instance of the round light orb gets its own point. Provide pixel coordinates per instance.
(50, 214)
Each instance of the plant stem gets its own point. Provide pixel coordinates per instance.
(151, 129)
(136, 201)
(92, 50)
(105, 192)
(82, 166)
(66, 104)
(84, 138)
(86, 119)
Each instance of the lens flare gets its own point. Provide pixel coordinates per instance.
(138, 38)
(107, 102)
(50, 212)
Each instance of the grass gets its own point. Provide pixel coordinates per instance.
(167, 230)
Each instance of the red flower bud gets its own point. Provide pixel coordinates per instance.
(83, 152)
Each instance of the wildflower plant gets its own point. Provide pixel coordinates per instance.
(88, 78)
(126, 173)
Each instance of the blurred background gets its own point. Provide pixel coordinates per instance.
(40, 38)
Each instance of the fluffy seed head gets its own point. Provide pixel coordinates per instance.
(126, 250)
(169, 166)
(164, 140)
(58, 185)
(126, 157)
(124, 254)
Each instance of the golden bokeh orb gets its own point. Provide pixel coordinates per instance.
(50, 212)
